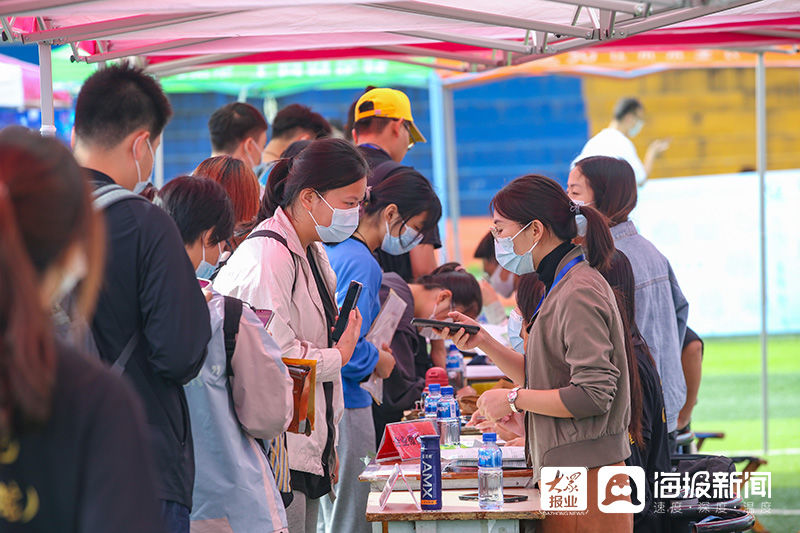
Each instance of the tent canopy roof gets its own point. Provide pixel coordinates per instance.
(181, 35)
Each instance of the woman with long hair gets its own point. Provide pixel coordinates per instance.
(648, 428)
(572, 382)
(608, 184)
(282, 266)
(73, 450)
(395, 214)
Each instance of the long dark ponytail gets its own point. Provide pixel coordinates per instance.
(535, 197)
(620, 276)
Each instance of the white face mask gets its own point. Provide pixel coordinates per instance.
(509, 259)
(515, 332)
(636, 128)
(504, 287)
(344, 223)
(205, 270)
(400, 244)
(142, 183)
(580, 220)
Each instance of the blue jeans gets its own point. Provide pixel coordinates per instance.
(176, 516)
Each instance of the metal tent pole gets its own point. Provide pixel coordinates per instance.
(761, 165)
(438, 153)
(158, 171)
(448, 115)
(48, 128)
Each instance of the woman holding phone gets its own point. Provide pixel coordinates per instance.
(282, 266)
(395, 215)
(572, 382)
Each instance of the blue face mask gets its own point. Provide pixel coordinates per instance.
(344, 223)
(400, 244)
(514, 332)
(205, 269)
(509, 259)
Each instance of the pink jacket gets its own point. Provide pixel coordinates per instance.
(268, 276)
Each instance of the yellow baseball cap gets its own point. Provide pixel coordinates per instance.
(389, 103)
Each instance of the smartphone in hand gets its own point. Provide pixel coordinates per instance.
(350, 301)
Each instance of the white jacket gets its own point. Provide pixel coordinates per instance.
(265, 274)
(234, 489)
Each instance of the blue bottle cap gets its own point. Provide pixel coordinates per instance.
(434, 387)
(447, 391)
(490, 437)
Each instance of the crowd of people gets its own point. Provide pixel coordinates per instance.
(142, 389)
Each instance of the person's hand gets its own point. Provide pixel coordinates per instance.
(658, 147)
(463, 340)
(476, 419)
(335, 468)
(511, 426)
(385, 362)
(493, 404)
(347, 343)
(519, 441)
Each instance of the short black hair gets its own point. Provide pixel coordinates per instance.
(198, 205)
(299, 117)
(233, 123)
(485, 249)
(118, 100)
(625, 106)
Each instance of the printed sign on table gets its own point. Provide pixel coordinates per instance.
(389, 487)
(401, 440)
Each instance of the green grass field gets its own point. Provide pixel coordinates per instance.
(730, 401)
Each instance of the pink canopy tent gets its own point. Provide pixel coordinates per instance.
(20, 82)
(185, 34)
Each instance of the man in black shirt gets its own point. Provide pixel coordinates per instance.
(150, 298)
(384, 131)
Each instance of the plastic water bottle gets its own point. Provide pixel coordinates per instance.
(490, 473)
(432, 401)
(454, 366)
(449, 423)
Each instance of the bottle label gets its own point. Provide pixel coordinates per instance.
(430, 480)
(446, 410)
(490, 457)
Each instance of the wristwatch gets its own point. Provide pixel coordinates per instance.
(512, 398)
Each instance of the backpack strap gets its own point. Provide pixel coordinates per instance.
(107, 195)
(268, 233)
(230, 328)
(271, 235)
(118, 367)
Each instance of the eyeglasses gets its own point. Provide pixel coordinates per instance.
(407, 125)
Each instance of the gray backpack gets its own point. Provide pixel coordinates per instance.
(72, 328)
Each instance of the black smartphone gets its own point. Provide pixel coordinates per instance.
(438, 324)
(350, 301)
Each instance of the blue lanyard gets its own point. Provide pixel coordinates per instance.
(561, 274)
